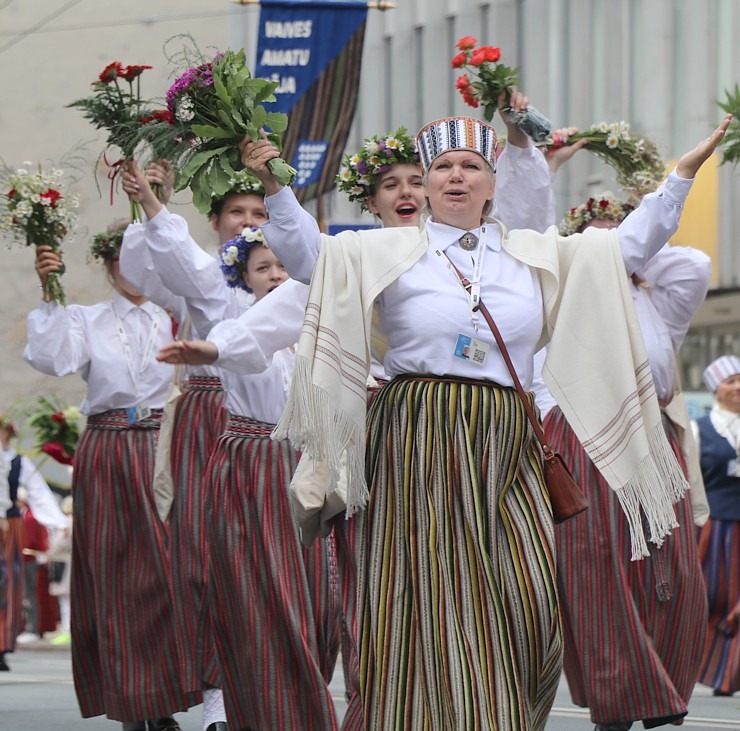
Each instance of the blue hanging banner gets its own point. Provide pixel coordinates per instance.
(313, 50)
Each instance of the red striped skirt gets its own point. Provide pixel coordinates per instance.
(632, 649)
(270, 599)
(199, 422)
(124, 655)
(719, 551)
(11, 596)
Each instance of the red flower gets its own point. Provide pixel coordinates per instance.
(467, 42)
(459, 60)
(463, 83)
(52, 196)
(56, 451)
(12, 193)
(111, 72)
(479, 57)
(161, 115)
(131, 72)
(470, 100)
(493, 54)
(603, 203)
(58, 417)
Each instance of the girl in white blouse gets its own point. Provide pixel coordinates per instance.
(122, 616)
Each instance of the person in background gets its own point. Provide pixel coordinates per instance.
(60, 552)
(124, 653)
(626, 618)
(21, 473)
(718, 434)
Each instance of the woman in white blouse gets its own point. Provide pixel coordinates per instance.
(274, 626)
(625, 619)
(124, 653)
(459, 624)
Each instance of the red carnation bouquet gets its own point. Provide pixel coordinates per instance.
(116, 106)
(57, 428)
(490, 79)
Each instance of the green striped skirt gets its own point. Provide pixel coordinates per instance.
(458, 608)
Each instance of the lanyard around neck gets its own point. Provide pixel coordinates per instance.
(475, 280)
(126, 346)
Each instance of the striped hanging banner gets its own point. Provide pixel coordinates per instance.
(314, 51)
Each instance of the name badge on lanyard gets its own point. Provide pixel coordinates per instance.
(470, 349)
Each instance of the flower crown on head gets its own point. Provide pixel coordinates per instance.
(603, 206)
(241, 182)
(105, 247)
(235, 255)
(361, 172)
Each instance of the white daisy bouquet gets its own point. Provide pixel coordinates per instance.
(213, 106)
(638, 166)
(35, 211)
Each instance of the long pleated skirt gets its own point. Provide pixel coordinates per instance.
(458, 609)
(124, 654)
(199, 421)
(276, 627)
(632, 639)
(11, 592)
(719, 551)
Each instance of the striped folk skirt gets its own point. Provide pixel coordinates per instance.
(459, 625)
(632, 648)
(124, 654)
(11, 592)
(199, 422)
(719, 551)
(275, 624)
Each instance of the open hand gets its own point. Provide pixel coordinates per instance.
(690, 162)
(190, 352)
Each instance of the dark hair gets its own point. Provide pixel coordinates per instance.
(218, 204)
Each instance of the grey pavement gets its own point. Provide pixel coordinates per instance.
(38, 695)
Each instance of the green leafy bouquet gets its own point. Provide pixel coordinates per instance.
(212, 106)
(731, 141)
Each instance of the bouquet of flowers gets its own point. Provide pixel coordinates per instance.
(35, 211)
(604, 206)
(490, 80)
(212, 106)
(116, 106)
(235, 255)
(638, 165)
(360, 172)
(57, 428)
(731, 141)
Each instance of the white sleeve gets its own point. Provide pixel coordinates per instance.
(41, 500)
(542, 396)
(188, 271)
(137, 266)
(57, 342)
(5, 501)
(523, 197)
(645, 231)
(246, 344)
(292, 234)
(678, 279)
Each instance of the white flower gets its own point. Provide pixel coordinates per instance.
(251, 235)
(345, 174)
(354, 160)
(230, 256)
(371, 147)
(612, 141)
(603, 127)
(71, 413)
(36, 198)
(184, 111)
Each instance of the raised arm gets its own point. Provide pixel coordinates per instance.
(57, 343)
(291, 232)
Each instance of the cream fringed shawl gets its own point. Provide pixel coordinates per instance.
(596, 368)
